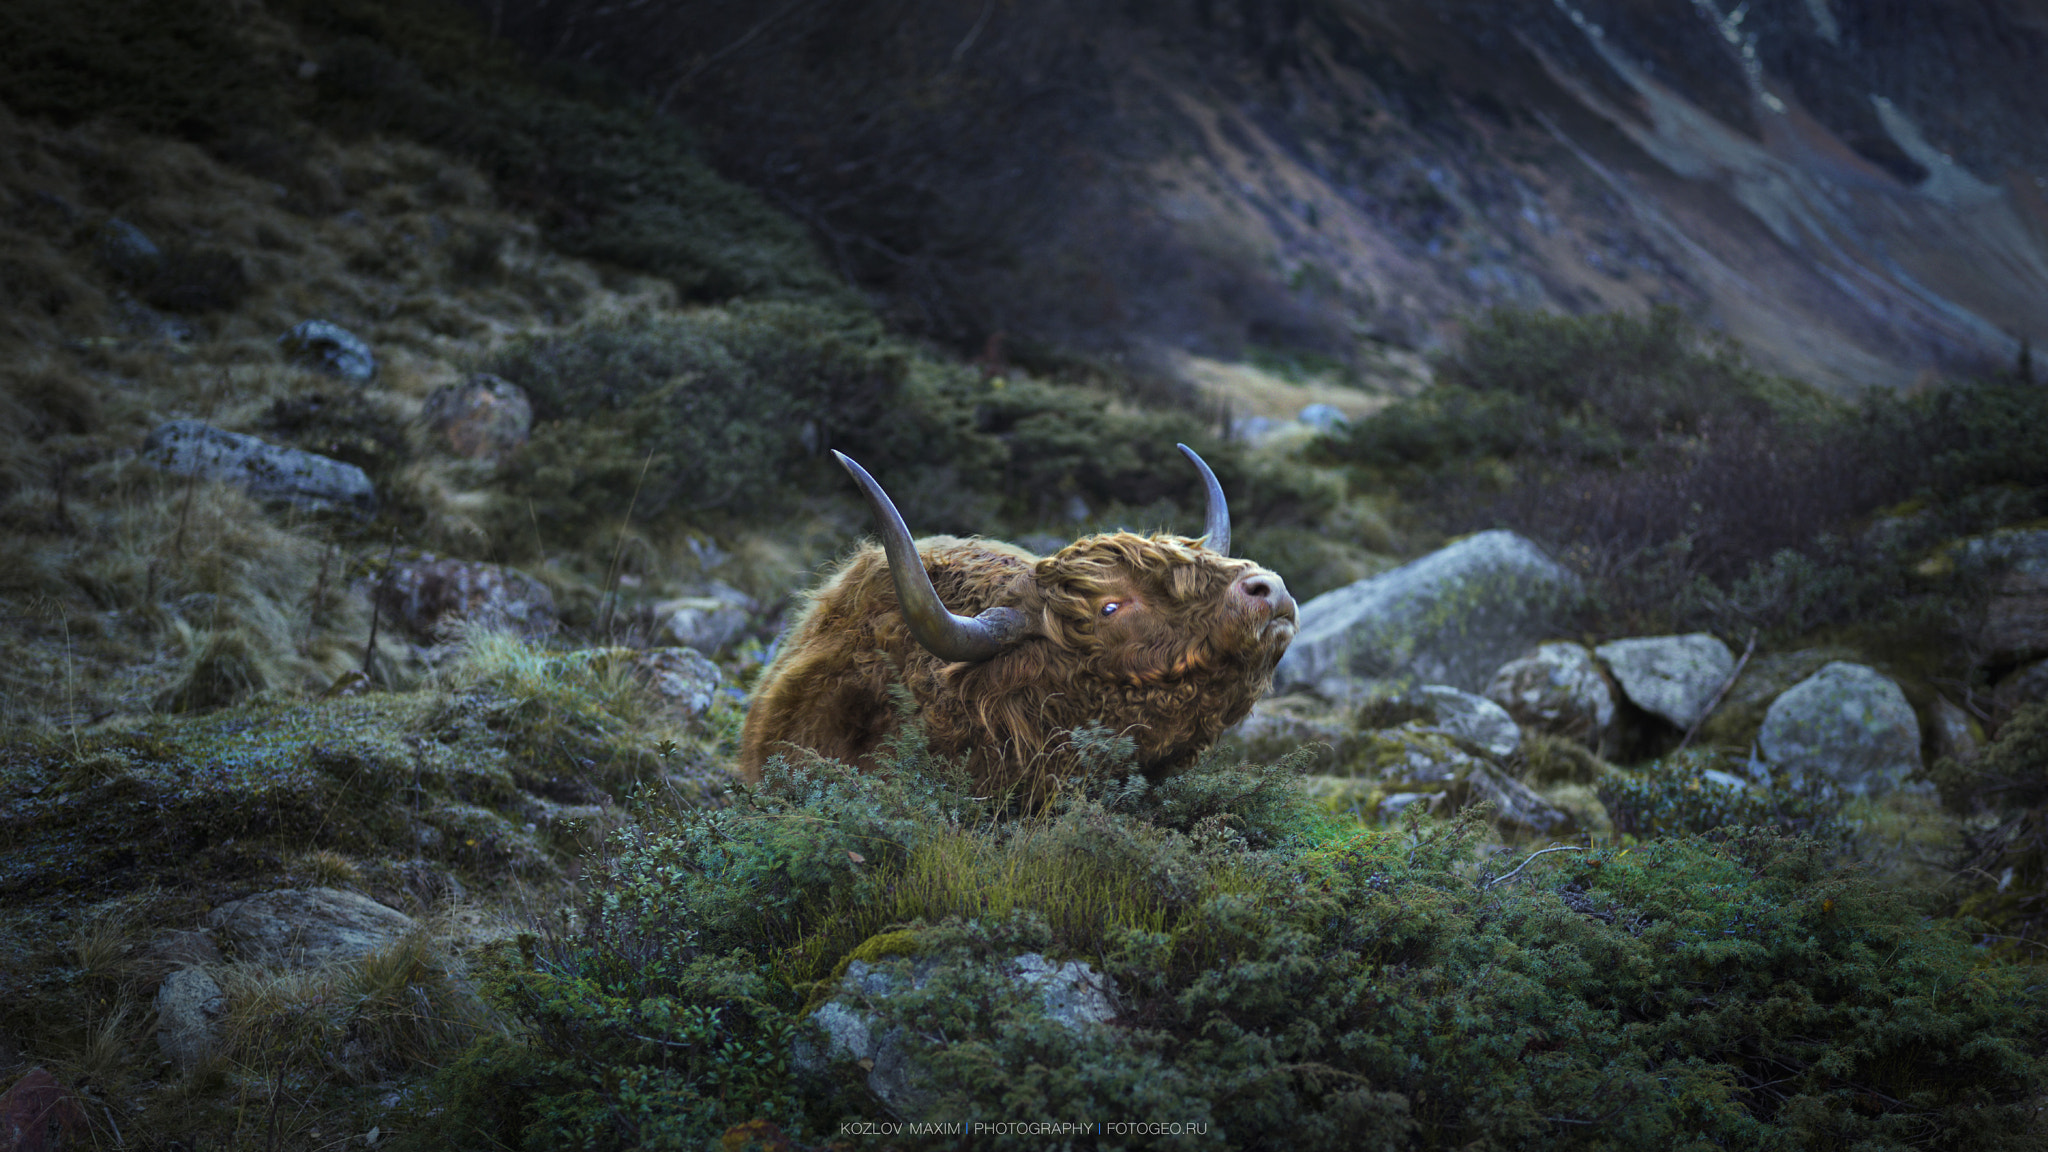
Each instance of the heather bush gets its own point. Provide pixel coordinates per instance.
(1284, 980)
(1697, 492)
(2004, 865)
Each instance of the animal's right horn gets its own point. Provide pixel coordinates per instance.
(1216, 532)
(943, 634)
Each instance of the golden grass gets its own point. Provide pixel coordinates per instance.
(967, 874)
(403, 1007)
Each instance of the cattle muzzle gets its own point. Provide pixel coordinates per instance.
(1266, 592)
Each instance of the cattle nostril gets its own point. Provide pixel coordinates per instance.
(1257, 589)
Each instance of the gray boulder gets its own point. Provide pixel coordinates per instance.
(188, 1005)
(302, 927)
(1451, 617)
(1072, 994)
(2016, 618)
(1558, 689)
(1469, 717)
(1675, 677)
(328, 347)
(1846, 724)
(1413, 757)
(264, 470)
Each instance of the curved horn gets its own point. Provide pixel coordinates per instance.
(943, 634)
(1216, 532)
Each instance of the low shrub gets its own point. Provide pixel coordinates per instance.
(2004, 865)
(1673, 796)
(1282, 980)
(1698, 493)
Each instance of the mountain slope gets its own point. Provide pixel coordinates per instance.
(1857, 195)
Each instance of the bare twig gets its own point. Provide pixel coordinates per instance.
(974, 32)
(1532, 860)
(697, 69)
(376, 607)
(1747, 650)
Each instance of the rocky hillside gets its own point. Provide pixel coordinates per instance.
(1855, 192)
(413, 436)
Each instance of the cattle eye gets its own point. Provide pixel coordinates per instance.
(1110, 608)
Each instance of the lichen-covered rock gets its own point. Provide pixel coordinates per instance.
(1516, 807)
(484, 418)
(264, 470)
(435, 599)
(1414, 758)
(303, 927)
(683, 679)
(1848, 724)
(1072, 994)
(1279, 725)
(708, 623)
(188, 1006)
(1558, 689)
(2016, 618)
(1451, 617)
(1469, 717)
(1675, 677)
(328, 347)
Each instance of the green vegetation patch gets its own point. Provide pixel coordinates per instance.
(1279, 976)
(1698, 493)
(2005, 862)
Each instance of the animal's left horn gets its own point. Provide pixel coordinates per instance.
(943, 634)
(1216, 532)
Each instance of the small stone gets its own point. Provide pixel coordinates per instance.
(683, 679)
(126, 250)
(1323, 417)
(484, 418)
(330, 348)
(1515, 805)
(187, 1006)
(706, 623)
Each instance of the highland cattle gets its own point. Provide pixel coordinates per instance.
(1164, 639)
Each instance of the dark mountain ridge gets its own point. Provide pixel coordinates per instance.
(1853, 191)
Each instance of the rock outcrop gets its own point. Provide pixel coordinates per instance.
(1452, 617)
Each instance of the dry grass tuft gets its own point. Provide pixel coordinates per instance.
(402, 1008)
(330, 869)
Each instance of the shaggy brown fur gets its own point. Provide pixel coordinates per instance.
(1182, 658)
